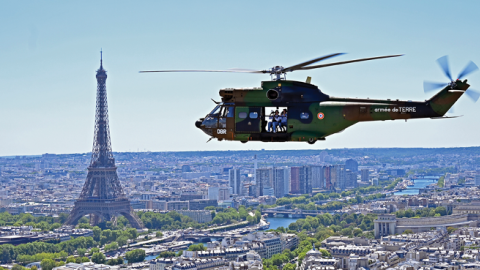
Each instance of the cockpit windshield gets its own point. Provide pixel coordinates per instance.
(215, 111)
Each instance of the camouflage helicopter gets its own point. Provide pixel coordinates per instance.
(308, 113)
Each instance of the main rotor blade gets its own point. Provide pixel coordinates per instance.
(298, 66)
(431, 86)
(443, 62)
(471, 67)
(473, 95)
(347, 62)
(204, 70)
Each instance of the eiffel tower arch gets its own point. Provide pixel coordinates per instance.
(102, 196)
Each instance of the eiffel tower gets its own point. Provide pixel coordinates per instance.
(102, 195)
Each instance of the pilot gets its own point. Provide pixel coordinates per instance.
(274, 121)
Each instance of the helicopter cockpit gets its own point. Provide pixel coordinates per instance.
(216, 119)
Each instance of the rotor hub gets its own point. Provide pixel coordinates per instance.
(278, 73)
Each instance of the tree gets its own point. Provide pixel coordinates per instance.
(325, 252)
(97, 258)
(131, 233)
(289, 266)
(136, 255)
(293, 226)
(70, 259)
(441, 210)
(94, 250)
(18, 267)
(63, 255)
(159, 234)
(451, 229)
(409, 213)
(198, 247)
(97, 233)
(407, 232)
(166, 254)
(357, 231)
(122, 240)
(111, 246)
(47, 264)
(120, 260)
(81, 252)
(34, 267)
(279, 259)
(84, 226)
(55, 226)
(7, 253)
(116, 261)
(83, 220)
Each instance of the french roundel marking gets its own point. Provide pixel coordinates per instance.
(320, 115)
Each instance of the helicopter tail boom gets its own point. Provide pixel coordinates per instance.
(442, 101)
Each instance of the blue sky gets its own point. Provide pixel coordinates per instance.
(49, 52)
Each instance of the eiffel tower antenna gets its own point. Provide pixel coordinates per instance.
(102, 195)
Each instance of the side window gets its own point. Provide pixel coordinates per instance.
(254, 115)
(242, 115)
(304, 115)
(230, 112)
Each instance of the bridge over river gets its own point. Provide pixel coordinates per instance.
(294, 213)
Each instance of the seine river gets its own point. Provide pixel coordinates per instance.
(418, 184)
(280, 222)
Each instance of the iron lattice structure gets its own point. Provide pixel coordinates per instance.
(102, 195)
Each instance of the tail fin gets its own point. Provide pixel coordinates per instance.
(444, 100)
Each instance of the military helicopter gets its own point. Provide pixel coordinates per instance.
(308, 113)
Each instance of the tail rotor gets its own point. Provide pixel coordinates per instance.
(443, 63)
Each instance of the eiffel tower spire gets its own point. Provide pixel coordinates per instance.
(102, 195)
(102, 149)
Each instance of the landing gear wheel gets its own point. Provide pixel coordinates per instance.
(243, 141)
(311, 141)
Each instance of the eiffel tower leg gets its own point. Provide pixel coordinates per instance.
(74, 216)
(133, 219)
(95, 219)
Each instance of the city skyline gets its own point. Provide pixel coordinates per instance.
(52, 55)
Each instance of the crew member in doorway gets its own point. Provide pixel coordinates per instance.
(274, 121)
(283, 120)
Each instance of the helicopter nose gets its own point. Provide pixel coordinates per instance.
(198, 123)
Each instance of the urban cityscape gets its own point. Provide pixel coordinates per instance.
(306, 209)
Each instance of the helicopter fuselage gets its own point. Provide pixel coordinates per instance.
(311, 115)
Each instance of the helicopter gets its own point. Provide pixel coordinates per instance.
(308, 114)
